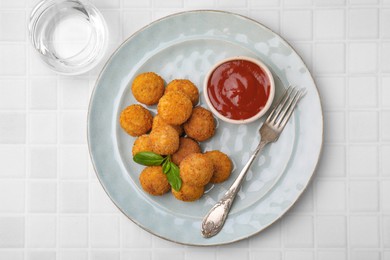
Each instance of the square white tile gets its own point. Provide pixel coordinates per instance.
(270, 255)
(199, 4)
(42, 196)
(231, 3)
(363, 92)
(365, 254)
(297, 25)
(113, 21)
(74, 162)
(12, 128)
(106, 4)
(329, 24)
(330, 196)
(41, 231)
(384, 23)
(298, 231)
(329, 58)
(363, 160)
(12, 193)
(298, 255)
(385, 125)
(73, 128)
(168, 3)
(385, 195)
(104, 255)
(363, 57)
(73, 231)
(12, 93)
(334, 124)
(136, 4)
(74, 197)
(269, 18)
(133, 236)
(331, 231)
(363, 126)
(386, 230)
(360, 27)
(41, 255)
(73, 255)
(268, 238)
(332, 162)
(130, 255)
(13, 162)
(12, 3)
(43, 162)
(134, 20)
(331, 254)
(12, 232)
(264, 3)
(74, 93)
(13, 25)
(364, 195)
(13, 57)
(43, 128)
(43, 93)
(385, 162)
(12, 255)
(385, 56)
(364, 231)
(100, 202)
(385, 92)
(104, 231)
(332, 91)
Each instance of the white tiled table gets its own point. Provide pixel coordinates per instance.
(52, 206)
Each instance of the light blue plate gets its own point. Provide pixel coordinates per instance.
(186, 45)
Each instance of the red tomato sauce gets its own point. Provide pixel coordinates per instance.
(238, 89)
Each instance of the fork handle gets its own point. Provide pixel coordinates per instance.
(215, 218)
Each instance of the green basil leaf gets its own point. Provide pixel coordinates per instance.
(148, 158)
(166, 166)
(173, 177)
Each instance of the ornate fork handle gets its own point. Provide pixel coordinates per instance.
(215, 218)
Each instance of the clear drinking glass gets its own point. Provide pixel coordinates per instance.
(70, 35)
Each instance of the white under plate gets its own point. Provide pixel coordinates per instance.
(186, 45)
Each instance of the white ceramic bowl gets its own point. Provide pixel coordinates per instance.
(261, 112)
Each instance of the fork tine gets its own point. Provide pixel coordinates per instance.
(299, 94)
(276, 111)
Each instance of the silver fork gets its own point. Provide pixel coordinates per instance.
(269, 132)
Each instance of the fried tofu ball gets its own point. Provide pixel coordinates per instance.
(154, 181)
(187, 87)
(196, 170)
(174, 107)
(142, 144)
(201, 125)
(187, 146)
(158, 122)
(222, 166)
(165, 140)
(188, 193)
(136, 120)
(148, 88)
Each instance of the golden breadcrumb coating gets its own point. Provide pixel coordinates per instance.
(201, 125)
(136, 120)
(148, 88)
(187, 87)
(196, 170)
(174, 107)
(154, 181)
(222, 166)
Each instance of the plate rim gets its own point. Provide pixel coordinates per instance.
(283, 213)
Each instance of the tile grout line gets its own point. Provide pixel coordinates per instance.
(347, 126)
(26, 146)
